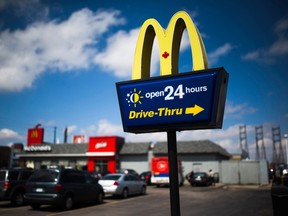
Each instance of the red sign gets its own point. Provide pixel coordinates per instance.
(162, 166)
(102, 144)
(105, 146)
(35, 136)
(78, 139)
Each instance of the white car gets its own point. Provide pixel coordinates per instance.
(122, 184)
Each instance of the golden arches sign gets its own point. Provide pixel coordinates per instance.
(184, 101)
(169, 46)
(34, 134)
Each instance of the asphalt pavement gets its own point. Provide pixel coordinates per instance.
(222, 200)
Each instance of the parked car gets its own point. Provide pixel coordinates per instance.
(122, 184)
(128, 171)
(12, 184)
(200, 179)
(62, 188)
(98, 175)
(146, 177)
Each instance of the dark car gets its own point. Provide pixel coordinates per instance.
(200, 179)
(146, 177)
(12, 184)
(279, 195)
(128, 171)
(62, 188)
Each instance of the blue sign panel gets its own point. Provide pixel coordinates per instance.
(185, 101)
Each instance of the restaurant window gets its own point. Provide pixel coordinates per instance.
(101, 165)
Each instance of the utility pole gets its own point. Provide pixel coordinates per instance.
(55, 130)
(65, 134)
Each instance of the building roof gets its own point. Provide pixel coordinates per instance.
(139, 148)
(192, 147)
(60, 149)
(135, 148)
(69, 148)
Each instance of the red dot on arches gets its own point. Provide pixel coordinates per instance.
(165, 55)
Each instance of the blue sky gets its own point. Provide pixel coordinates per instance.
(60, 60)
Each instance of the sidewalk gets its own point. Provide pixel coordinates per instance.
(250, 186)
(222, 185)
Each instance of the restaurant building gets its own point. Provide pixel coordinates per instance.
(110, 153)
(100, 154)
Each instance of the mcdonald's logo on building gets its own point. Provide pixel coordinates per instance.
(172, 101)
(35, 136)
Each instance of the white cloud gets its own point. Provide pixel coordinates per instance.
(89, 131)
(212, 134)
(102, 128)
(68, 45)
(151, 137)
(60, 46)
(71, 129)
(105, 127)
(8, 136)
(214, 56)
(281, 27)
(238, 110)
(277, 49)
(118, 56)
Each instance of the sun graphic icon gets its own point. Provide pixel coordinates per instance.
(134, 98)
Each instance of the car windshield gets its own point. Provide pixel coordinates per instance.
(44, 176)
(145, 173)
(199, 174)
(111, 177)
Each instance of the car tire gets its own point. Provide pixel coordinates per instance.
(67, 203)
(17, 198)
(100, 198)
(125, 193)
(35, 206)
(143, 190)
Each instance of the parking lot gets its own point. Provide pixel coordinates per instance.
(219, 200)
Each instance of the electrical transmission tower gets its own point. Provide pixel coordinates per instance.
(277, 140)
(243, 141)
(260, 142)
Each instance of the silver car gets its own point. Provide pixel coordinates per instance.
(122, 185)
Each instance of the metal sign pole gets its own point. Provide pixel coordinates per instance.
(173, 173)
